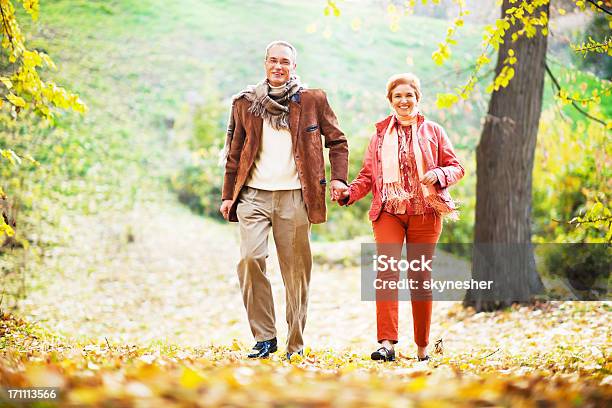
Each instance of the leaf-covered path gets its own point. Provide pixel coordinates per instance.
(147, 311)
(160, 273)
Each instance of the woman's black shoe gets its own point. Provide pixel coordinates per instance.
(262, 349)
(426, 358)
(384, 354)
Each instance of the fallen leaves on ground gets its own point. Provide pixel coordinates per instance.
(560, 373)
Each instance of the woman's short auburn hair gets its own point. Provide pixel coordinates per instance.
(406, 78)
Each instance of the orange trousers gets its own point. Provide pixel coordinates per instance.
(420, 233)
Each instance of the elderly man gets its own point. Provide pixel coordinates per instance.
(275, 178)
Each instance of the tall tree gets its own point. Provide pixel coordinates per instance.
(505, 154)
(504, 161)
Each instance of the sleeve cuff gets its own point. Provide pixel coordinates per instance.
(342, 181)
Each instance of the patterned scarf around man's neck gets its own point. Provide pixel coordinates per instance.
(270, 104)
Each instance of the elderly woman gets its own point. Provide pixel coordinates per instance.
(408, 166)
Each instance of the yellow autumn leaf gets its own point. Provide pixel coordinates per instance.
(191, 379)
(7, 82)
(416, 385)
(5, 228)
(16, 100)
(296, 358)
(85, 396)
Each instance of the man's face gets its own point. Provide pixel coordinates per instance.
(280, 65)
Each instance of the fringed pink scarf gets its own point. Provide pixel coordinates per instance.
(394, 192)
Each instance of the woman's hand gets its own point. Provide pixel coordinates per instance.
(344, 195)
(338, 189)
(343, 198)
(429, 178)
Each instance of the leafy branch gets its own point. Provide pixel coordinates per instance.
(593, 46)
(594, 220)
(563, 95)
(596, 5)
(524, 16)
(598, 216)
(23, 89)
(525, 13)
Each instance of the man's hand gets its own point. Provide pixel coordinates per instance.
(338, 190)
(429, 178)
(225, 208)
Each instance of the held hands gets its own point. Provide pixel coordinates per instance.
(429, 178)
(225, 208)
(344, 195)
(339, 190)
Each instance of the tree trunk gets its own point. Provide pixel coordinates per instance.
(504, 161)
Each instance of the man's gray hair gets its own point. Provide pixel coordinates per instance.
(284, 44)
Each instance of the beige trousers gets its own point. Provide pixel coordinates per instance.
(285, 213)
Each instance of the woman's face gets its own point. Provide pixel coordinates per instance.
(403, 99)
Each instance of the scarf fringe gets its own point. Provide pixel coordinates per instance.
(395, 195)
(441, 208)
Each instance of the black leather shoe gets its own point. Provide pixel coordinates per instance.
(262, 349)
(426, 358)
(300, 353)
(384, 354)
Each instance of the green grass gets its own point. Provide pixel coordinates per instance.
(135, 61)
(171, 43)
